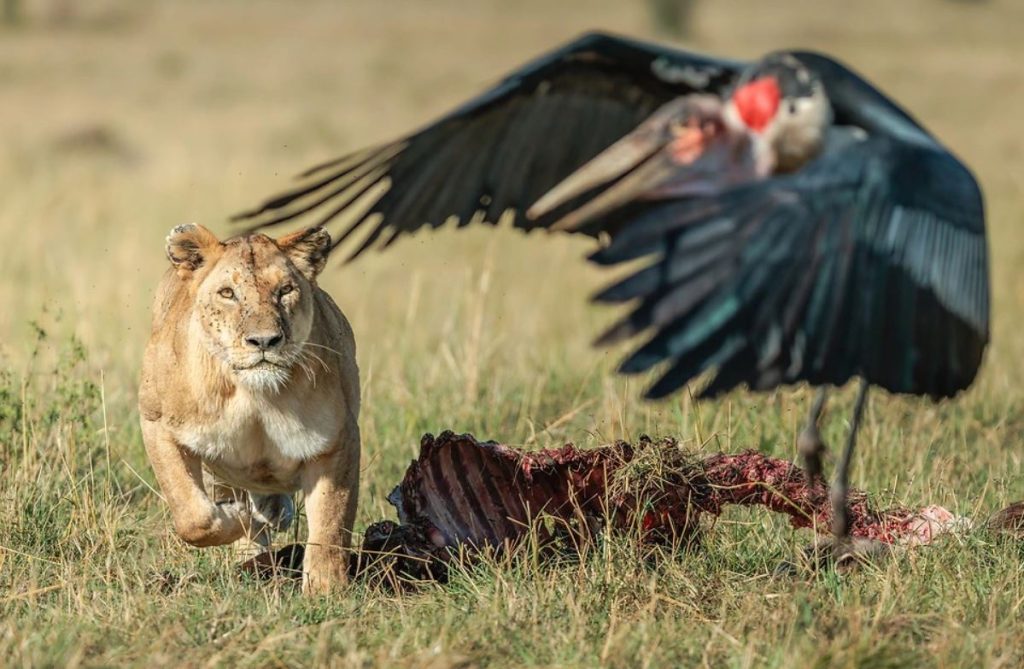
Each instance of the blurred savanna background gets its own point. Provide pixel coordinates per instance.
(121, 119)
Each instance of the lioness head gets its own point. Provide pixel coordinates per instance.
(252, 298)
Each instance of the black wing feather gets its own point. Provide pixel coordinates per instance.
(853, 266)
(504, 149)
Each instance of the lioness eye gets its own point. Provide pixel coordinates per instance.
(226, 293)
(287, 288)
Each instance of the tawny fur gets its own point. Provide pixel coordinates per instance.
(263, 419)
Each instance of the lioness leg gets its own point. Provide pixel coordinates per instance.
(197, 519)
(331, 486)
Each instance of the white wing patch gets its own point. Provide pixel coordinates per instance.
(691, 75)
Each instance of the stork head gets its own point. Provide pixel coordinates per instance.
(783, 106)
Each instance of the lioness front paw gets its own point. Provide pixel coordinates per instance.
(273, 511)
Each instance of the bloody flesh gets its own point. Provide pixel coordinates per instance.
(460, 497)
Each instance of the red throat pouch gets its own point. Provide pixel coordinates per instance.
(757, 102)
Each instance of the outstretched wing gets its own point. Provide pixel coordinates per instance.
(870, 261)
(502, 150)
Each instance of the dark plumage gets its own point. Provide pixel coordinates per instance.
(504, 149)
(870, 261)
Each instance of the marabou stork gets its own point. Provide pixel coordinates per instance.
(799, 225)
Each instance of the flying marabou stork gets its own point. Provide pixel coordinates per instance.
(798, 224)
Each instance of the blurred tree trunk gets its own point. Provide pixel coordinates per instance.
(12, 11)
(672, 17)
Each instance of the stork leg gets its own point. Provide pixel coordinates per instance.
(809, 443)
(842, 550)
(841, 484)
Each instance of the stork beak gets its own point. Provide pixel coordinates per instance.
(618, 159)
(635, 185)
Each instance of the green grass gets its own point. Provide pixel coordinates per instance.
(116, 130)
(92, 573)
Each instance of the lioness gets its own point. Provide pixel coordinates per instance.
(250, 391)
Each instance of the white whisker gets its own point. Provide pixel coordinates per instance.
(328, 348)
(317, 358)
(310, 354)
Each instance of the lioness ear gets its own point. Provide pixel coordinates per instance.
(308, 249)
(189, 246)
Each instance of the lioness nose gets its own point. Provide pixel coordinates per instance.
(264, 341)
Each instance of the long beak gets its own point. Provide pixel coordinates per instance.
(646, 178)
(621, 157)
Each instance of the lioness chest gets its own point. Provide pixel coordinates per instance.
(260, 443)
